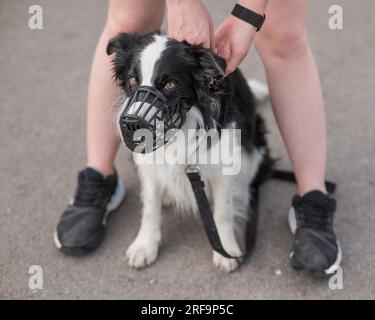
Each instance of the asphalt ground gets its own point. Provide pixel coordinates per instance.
(43, 89)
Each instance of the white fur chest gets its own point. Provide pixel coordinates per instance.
(177, 187)
(173, 183)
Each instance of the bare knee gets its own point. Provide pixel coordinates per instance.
(282, 45)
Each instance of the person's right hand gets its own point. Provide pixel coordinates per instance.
(189, 20)
(233, 39)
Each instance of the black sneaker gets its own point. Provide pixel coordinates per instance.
(315, 248)
(81, 227)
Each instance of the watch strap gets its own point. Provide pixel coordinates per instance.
(249, 16)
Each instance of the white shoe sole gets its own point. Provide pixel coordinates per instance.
(292, 222)
(112, 205)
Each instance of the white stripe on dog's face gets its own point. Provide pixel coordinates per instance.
(149, 57)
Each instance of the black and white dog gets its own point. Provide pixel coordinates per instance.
(179, 72)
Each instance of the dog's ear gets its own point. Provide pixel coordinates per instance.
(123, 43)
(124, 47)
(129, 42)
(209, 82)
(211, 67)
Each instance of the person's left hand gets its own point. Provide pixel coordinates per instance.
(233, 39)
(189, 20)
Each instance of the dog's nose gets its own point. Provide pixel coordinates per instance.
(129, 124)
(132, 123)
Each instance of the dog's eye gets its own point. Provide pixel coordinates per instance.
(170, 85)
(133, 82)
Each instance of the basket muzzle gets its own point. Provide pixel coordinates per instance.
(147, 119)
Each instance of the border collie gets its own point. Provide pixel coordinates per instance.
(180, 71)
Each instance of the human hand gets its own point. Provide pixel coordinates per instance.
(233, 39)
(189, 20)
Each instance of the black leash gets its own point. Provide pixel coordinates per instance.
(193, 174)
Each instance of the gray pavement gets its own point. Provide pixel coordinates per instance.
(42, 137)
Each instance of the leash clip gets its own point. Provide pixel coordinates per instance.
(192, 168)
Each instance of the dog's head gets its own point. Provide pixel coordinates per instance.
(165, 80)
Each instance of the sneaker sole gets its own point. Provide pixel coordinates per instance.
(112, 205)
(292, 222)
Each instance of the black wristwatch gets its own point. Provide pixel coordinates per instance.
(249, 16)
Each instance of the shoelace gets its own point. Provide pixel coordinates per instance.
(312, 214)
(90, 193)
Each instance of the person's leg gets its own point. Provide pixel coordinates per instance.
(127, 16)
(81, 228)
(298, 105)
(295, 90)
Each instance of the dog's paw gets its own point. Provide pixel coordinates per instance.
(225, 264)
(141, 254)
